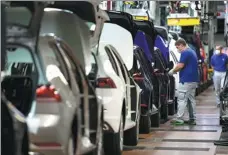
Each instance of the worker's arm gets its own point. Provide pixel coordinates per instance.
(178, 67)
(183, 60)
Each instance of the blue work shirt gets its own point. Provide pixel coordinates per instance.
(219, 62)
(190, 71)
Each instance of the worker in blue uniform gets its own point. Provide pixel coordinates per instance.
(189, 79)
(219, 62)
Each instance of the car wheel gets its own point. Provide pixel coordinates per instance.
(113, 143)
(131, 136)
(145, 122)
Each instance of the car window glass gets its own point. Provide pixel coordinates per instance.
(111, 59)
(162, 32)
(19, 61)
(122, 67)
(94, 68)
(55, 54)
(77, 69)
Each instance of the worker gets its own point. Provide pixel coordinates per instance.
(189, 79)
(219, 62)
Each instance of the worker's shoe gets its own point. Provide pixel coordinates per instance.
(177, 122)
(192, 122)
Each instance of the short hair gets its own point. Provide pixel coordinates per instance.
(219, 48)
(180, 42)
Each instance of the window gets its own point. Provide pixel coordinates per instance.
(93, 73)
(111, 59)
(122, 66)
(175, 36)
(55, 54)
(159, 60)
(91, 27)
(14, 12)
(67, 53)
(19, 61)
(174, 57)
(162, 32)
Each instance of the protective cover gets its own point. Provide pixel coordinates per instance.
(140, 40)
(69, 27)
(121, 39)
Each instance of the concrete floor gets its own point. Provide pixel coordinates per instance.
(184, 140)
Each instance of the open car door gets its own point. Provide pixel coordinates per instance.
(19, 84)
(87, 10)
(22, 36)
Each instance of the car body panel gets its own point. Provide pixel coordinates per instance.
(175, 57)
(55, 22)
(112, 99)
(88, 11)
(140, 40)
(118, 34)
(162, 41)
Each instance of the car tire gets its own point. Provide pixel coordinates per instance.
(113, 144)
(131, 136)
(155, 119)
(145, 123)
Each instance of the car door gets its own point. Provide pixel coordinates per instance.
(126, 77)
(133, 91)
(119, 69)
(92, 76)
(58, 71)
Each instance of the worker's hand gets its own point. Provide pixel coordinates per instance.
(171, 72)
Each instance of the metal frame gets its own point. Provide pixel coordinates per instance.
(224, 102)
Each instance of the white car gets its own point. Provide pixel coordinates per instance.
(116, 88)
(175, 35)
(66, 119)
(174, 56)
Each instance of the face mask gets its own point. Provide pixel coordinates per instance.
(178, 50)
(217, 52)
